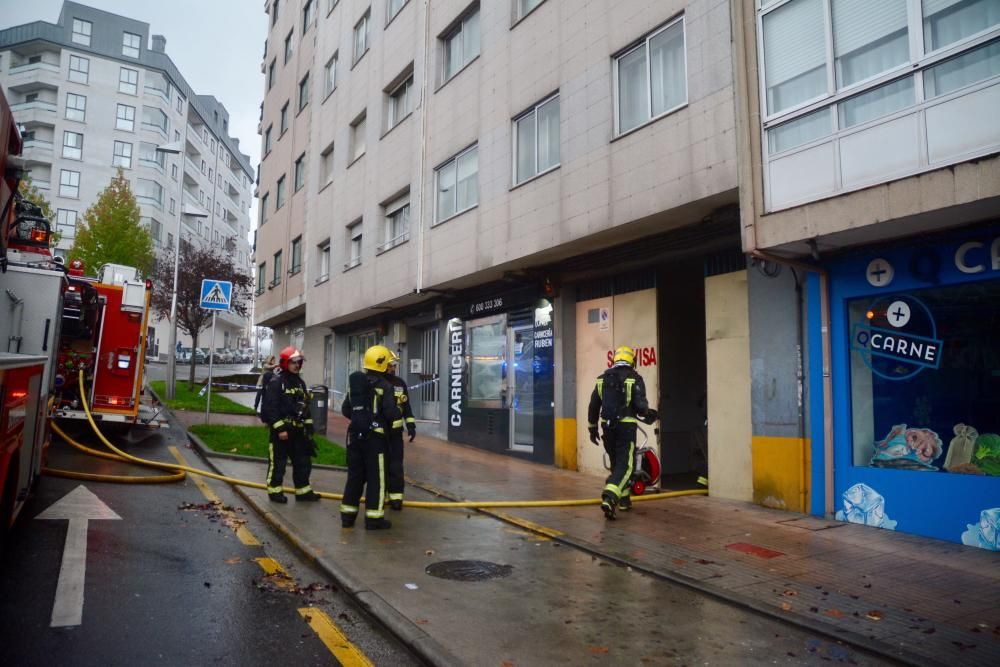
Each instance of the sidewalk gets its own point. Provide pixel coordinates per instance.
(919, 600)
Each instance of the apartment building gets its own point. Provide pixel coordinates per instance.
(94, 92)
(870, 194)
(504, 192)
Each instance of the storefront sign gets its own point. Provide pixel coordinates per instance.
(644, 356)
(898, 338)
(973, 257)
(894, 345)
(456, 344)
(486, 306)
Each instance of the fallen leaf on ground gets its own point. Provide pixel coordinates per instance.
(786, 606)
(596, 650)
(234, 560)
(790, 593)
(679, 561)
(874, 615)
(834, 613)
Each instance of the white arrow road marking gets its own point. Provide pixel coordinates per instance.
(78, 507)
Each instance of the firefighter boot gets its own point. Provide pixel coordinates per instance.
(608, 505)
(308, 496)
(396, 505)
(347, 520)
(625, 504)
(278, 498)
(377, 524)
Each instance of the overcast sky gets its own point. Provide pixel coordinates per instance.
(217, 45)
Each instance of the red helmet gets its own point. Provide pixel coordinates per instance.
(288, 354)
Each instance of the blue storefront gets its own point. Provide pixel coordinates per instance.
(915, 365)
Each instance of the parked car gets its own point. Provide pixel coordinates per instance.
(185, 355)
(225, 356)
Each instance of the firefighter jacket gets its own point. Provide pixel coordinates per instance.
(403, 401)
(286, 403)
(631, 401)
(385, 411)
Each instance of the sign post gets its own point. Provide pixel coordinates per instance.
(216, 295)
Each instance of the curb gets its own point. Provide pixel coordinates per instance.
(406, 631)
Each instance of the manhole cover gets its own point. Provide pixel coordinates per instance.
(469, 570)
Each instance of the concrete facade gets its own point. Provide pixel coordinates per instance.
(203, 193)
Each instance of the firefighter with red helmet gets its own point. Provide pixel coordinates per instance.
(371, 406)
(619, 401)
(394, 479)
(285, 409)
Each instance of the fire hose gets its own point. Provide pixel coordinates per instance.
(179, 471)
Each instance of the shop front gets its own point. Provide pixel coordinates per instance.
(916, 379)
(500, 390)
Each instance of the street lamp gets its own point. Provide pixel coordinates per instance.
(176, 148)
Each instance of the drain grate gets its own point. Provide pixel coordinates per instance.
(469, 570)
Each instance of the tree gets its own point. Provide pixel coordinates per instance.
(111, 231)
(28, 190)
(196, 264)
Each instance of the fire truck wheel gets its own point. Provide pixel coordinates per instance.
(638, 487)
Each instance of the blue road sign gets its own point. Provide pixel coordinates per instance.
(216, 294)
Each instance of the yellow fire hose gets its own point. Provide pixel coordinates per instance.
(181, 469)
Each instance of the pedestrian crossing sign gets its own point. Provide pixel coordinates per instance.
(216, 294)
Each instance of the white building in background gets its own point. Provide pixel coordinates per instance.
(94, 92)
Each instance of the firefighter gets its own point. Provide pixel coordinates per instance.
(372, 414)
(619, 400)
(285, 409)
(395, 477)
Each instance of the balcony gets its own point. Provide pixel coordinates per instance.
(46, 110)
(35, 76)
(37, 151)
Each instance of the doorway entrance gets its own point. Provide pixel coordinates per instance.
(520, 386)
(430, 341)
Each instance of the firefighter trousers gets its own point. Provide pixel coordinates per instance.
(365, 475)
(299, 449)
(394, 480)
(619, 443)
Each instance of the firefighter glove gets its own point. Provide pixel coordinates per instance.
(650, 416)
(412, 430)
(593, 435)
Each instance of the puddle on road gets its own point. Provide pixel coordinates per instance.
(469, 570)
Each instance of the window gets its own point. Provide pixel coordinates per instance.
(270, 73)
(79, 69)
(536, 140)
(180, 104)
(66, 223)
(457, 184)
(296, 264)
(157, 83)
(324, 261)
(358, 129)
(361, 36)
(276, 270)
(304, 92)
(300, 172)
(326, 164)
(274, 12)
(81, 32)
(128, 81)
(150, 157)
(173, 171)
(72, 145)
(261, 278)
(330, 75)
(400, 103)
(154, 119)
(650, 79)
(154, 227)
(949, 21)
(330, 4)
(76, 107)
(173, 205)
(392, 8)
(308, 15)
(125, 118)
(461, 44)
(279, 199)
(487, 339)
(268, 139)
(69, 183)
(149, 192)
(288, 45)
(263, 208)
(524, 7)
(130, 44)
(284, 118)
(122, 156)
(962, 71)
(353, 245)
(203, 166)
(397, 222)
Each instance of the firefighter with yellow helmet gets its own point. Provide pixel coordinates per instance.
(285, 409)
(617, 403)
(371, 406)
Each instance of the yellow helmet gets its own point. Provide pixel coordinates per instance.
(626, 354)
(378, 358)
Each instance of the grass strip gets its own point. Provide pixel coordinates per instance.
(185, 399)
(253, 441)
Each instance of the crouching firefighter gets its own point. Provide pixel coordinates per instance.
(395, 478)
(619, 401)
(285, 409)
(371, 407)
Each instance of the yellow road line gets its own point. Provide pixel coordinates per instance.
(270, 566)
(242, 532)
(342, 649)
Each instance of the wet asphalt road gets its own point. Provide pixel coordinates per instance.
(167, 585)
